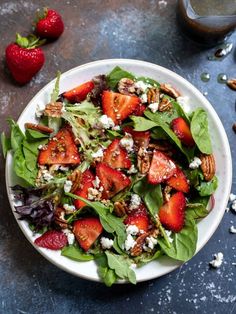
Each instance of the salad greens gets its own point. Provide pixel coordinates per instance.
(110, 209)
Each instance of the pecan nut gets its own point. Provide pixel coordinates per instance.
(153, 95)
(144, 160)
(120, 208)
(165, 105)
(75, 178)
(232, 83)
(53, 109)
(170, 90)
(59, 216)
(138, 247)
(38, 127)
(126, 86)
(208, 166)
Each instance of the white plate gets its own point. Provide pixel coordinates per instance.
(206, 227)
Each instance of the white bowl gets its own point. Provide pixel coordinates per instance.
(206, 227)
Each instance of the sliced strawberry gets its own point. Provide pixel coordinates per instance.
(139, 218)
(52, 239)
(86, 183)
(112, 180)
(182, 131)
(141, 138)
(118, 106)
(171, 214)
(86, 231)
(161, 169)
(79, 93)
(179, 181)
(139, 110)
(61, 149)
(116, 156)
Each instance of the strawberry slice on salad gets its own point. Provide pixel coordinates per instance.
(79, 93)
(86, 231)
(161, 169)
(182, 131)
(52, 239)
(116, 156)
(179, 181)
(139, 110)
(118, 106)
(141, 138)
(61, 149)
(86, 183)
(139, 218)
(172, 213)
(112, 180)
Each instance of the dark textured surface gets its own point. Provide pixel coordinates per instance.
(95, 30)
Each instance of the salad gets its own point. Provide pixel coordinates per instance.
(115, 171)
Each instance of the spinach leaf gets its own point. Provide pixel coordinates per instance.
(147, 257)
(196, 210)
(20, 168)
(107, 275)
(75, 253)
(16, 135)
(142, 124)
(116, 75)
(55, 92)
(32, 135)
(158, 133)
(199, 130)
(193, 176)
(121, 265)
(208, 188)
(148, 80)
(184, 243)
(6, 144)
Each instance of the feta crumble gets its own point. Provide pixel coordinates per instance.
(98, 153)
(132, 229)
(144, 98)
(135, 201)
(129, 242)
(47, 175)
(168, 234)
(132, 169)
(39, 110)
(106, 122)
(232, 229)
(106, 243)
(67, 186)
(195, 163)
(232, 197)
(69, 208)
(218, 260)
(151, 242)
(70, 236)
(63, 168)
(141, 86)
(154, 106)
(116, 128)
(127, 142)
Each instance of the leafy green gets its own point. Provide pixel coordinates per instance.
(17, 135)
(107, 275)
(21, 169)
(199, 130)
(33, 135)
(196, 210)
(145, 258)
(6, 144)
(158, 133)
(116, 75)
(121, 265)
(75, 253)
(142, 124)
(208, 188)
(184, 242)
(148, 80)
(55, 92)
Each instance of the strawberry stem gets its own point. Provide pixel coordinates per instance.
(29, 42)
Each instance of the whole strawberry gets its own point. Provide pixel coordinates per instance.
(24, 58)
(49, 24)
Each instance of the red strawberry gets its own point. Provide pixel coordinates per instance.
(79, 93)
(24, 59)
(118, 106)
(179, 181)
(141, 139)
(161, 169)
(139, 110)
(138, 217)
(182, 131)
(49, 24)
(112, 180)
(86, 183)
(52, 239)
(116, 156)
(171, 214)
(61, 149)
(86, 231)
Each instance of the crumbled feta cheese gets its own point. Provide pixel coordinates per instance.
(168, 234)
(96, 182)
(129, 242)
(232, 229)
(63, 168)
(106, 122)
(69, 208)
(39, 110)
(154, 106)
(127, 142)
(67, 186)
(141, 86)
(98, 153)
(195, 163)
(132, 229)
(134, 201)
(70, 236)
(144, 98)
(151, 242)
(95, 194)
(132, 169)
(232, 197)
(116, 128)
(47, 175)
(106, 243)
(233, 206)
(218, 260)
(40, 147)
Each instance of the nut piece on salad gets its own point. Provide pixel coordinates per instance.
(153, 95)
(208, 166)
(170, 90)
(165, 104)
(126, 86)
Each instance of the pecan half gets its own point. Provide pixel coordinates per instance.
(170, 90)
(75, 178)
(59, 215)
(232, 83)
(38, 127)
(53, 109)
(208, 166)
(165, 105)
(126, 86)
(144, 160)
(138, 247)
(120, 208)
(153, 95)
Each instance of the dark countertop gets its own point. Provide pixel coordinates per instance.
(144, 30)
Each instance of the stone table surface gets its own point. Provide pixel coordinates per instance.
(94, 30)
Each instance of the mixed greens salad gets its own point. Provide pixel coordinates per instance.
(114, 171)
